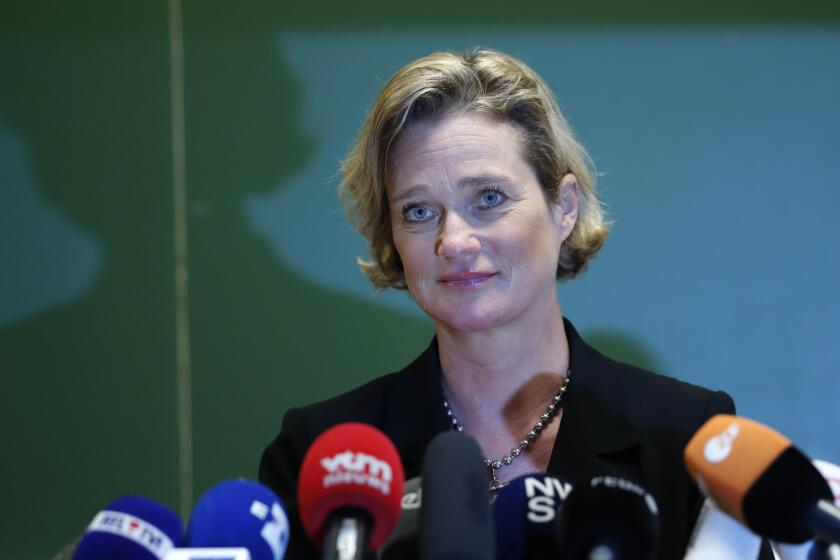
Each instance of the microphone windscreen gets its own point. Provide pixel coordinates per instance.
(831, 473)
(524, 513)
(131, 528)
(402, 544)
(728, 470)
(608, 517)
(754, 474)
(351, 465)
(240, 514)
(455, 520)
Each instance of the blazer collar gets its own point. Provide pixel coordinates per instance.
(595, 433)
(593, 430)
(415, 412)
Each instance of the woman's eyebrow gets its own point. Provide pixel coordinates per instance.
(482, 180)
(413, 191)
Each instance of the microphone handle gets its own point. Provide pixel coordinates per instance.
(823, 519)
(346, 537)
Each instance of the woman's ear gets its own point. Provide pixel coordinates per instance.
(566, 206)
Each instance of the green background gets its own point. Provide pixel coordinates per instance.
(89, 407)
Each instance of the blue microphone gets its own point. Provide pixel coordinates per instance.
(524, 513)
(240, 513)
(131, 528)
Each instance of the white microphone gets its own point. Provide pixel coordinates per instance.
(785, 551)
(717, 536)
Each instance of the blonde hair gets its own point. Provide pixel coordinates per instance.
(483, 81)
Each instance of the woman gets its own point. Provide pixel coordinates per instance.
(475, 196)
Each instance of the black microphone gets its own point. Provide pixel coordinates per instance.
(455, 520)
(815, 549)
(607, 518)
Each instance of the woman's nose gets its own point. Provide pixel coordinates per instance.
(456, 238)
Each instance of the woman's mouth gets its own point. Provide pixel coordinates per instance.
(465, 279)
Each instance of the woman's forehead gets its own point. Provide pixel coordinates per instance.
(471, 130)
(465, 147)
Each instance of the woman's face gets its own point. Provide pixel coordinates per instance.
(477, 238)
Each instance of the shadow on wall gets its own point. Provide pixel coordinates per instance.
(263, 337)
(619, 346)
(91, 386)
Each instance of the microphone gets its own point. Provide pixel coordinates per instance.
(402, 544)
(349, 490)
(131, 528)
(717, 536)
(455, 520)
(524, 514)
(815, 550)
(607, 518)
(240, 514)
(755, 475)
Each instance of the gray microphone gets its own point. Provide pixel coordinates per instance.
(455, 521)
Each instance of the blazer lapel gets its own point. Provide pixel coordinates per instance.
(594, 437)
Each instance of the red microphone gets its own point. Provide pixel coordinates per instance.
(349, 490)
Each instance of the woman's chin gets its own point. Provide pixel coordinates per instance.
(470, 320)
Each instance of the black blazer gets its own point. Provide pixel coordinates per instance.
(617, 419)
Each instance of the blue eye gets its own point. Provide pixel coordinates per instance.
(491, 197)
(416, 213)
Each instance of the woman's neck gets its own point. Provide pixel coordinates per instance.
(502, 378)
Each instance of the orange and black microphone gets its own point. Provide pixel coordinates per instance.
(757, 476)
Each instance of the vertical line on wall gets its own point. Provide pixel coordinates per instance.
(182, 302)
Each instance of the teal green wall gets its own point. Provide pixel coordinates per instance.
(88, 342)
(88, 406)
